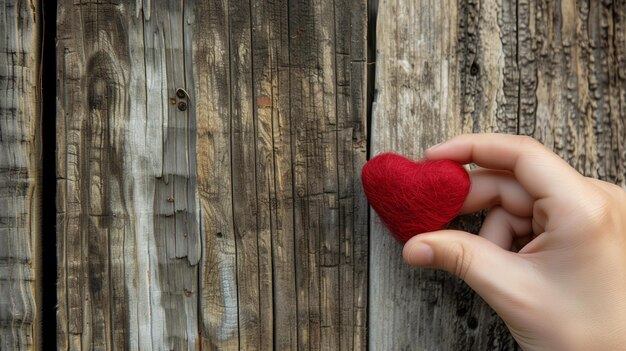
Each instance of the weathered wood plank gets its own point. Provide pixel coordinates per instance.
(174, 206)
(551, 69)
(232, 221)
(283, 126)
(283, 117)
(219, 322)
(306, 210)
(126, 184)
(577, 54)
(279, 104)
(244, 158)
(20, 175)
(351, 85)
(417, 103)
(266, 32)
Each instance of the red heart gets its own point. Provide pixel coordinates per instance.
(414, 197)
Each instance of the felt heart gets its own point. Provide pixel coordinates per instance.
(414, 197)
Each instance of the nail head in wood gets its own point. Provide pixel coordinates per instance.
(182, 93)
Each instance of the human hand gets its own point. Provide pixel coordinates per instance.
(565, 289)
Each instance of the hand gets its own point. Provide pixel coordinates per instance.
(565, 289)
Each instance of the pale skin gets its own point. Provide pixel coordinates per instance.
(550, 258)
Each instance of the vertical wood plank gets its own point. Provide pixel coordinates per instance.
(244, 158)
(236, 221)
(20, 175)
(351, 84)
(282, 197)
(266, 42)
(306, 209)
(577, 74)
(126, 179)
(418, 102)
(458, 74)
(175, 222)
(219, 322)
(547, 69)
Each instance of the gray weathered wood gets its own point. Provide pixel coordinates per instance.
(237, 222)
(551, 69)
(20, 175)
(128, 237)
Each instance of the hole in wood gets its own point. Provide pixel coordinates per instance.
(462, 311)
(475, 69)
(472, 323)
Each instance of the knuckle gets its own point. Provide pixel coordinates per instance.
(529, 142)
(598, 211)
(460, 260)
(612, 191)
(616, 190)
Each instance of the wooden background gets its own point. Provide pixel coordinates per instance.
(224, 218)
(208, 159)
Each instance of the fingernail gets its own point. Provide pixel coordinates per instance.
(421, 254)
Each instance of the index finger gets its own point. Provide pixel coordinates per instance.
(541, 172)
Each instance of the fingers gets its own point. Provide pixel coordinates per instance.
(502, 228)
(491, 187)
(541, 172)
(495, 274)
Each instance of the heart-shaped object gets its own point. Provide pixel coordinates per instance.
(414, 197)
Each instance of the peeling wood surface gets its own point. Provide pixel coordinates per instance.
(555, 70)
(20, 175)
(231, 216)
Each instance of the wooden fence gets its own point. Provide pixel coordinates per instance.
(208, 157)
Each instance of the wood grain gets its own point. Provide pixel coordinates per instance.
(20, 175)
(128, 238)
(235, 220)
(550, 69)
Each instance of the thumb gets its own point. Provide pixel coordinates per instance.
(497, 275)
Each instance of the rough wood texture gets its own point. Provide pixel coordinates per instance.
(234, 221)
(20, 175)
(555, 70)
(128, 236)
